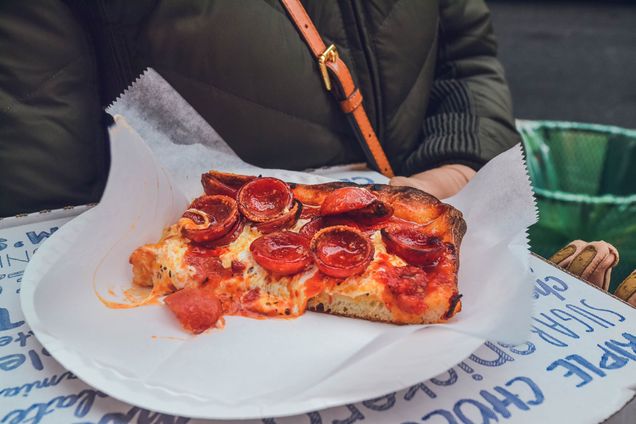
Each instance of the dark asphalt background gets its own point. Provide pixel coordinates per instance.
(569, 60)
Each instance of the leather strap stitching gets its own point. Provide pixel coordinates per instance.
(352, 102)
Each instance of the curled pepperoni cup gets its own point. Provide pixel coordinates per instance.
(413, 245)
(357, 203)
(209, 218)
(264, 199)
(341, 251)
(282, 253)
(212, 185)
(285, 220)
(312, 227)
(228, 237)
(215, 182)
(346, 199)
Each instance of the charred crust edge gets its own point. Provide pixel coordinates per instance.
(454, 300)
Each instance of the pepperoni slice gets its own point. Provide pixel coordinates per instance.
(197, 309)
(284, 221)
(312, 227)
(358, 203)
(215, 182)
(410, 243)
(212, 185)
(309, 211)
(230, 236)
(341, 251)
(346, 199)
(209, 218)
(283, 252)
(264, 199)
(407, 286)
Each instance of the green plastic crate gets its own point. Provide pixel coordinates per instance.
(584, 177)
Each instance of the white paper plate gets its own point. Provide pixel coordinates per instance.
(251, 368)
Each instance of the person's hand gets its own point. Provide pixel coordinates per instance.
(441, 182)
(593, 262)
(627, 289)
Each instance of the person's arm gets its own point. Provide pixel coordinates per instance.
(469, 118)
(441, 182)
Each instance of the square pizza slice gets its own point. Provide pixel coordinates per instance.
(261, 247)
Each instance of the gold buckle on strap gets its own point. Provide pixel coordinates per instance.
(329, 55)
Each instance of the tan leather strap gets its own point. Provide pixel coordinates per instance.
(351, 98)
(352, 102)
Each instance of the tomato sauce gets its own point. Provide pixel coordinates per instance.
(318, 283)
(407, 296)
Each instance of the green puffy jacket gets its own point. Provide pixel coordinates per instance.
(432, 86)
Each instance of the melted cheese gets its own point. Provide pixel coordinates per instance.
(175, 250)
(277, 295)
(172, 267)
